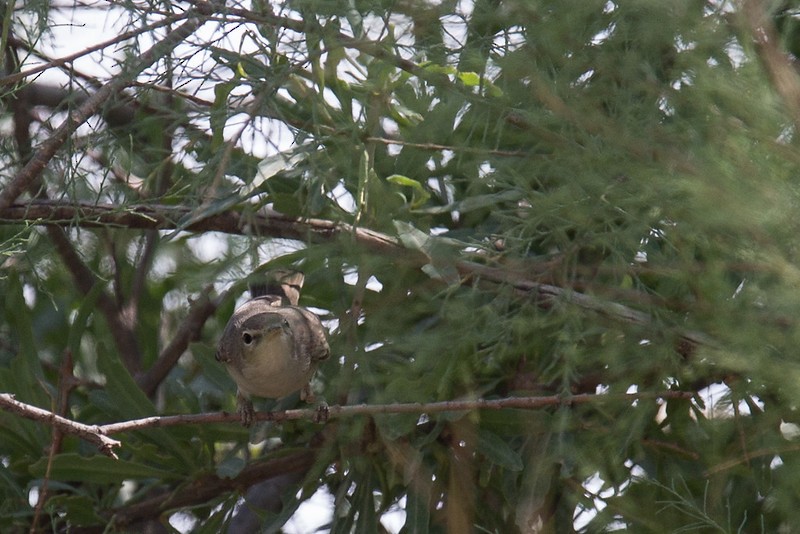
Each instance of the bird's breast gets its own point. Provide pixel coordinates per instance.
(269, 370)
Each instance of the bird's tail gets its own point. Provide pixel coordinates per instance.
(283, 283)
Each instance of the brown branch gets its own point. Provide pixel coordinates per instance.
(273, 224)
(207, 487)
(748, 457)
(776, 62)
(66, 383)
(90, 433)
(32, 169)
(121, 329)
(153, 216)
(522, 403)
(99, 434)
(189, 330)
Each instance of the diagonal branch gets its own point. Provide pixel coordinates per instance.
(200, 310)
(775, 60)
(207, 487)
(33, 168)
(273, 224)
(123, 331)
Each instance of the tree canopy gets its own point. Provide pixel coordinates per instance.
(554, 243)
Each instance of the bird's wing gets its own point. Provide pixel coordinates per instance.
(310, 342)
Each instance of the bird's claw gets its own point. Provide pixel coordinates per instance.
(321, 413)
(244, 407)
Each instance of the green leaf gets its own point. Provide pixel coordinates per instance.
(498, 451)
(420, 194)
(272, 165)
(230, 467)
(219, 113)
(474, 203)
(129, 401)
(98, 469)
(418, 513)
(85, 311)
(79, 508)
(470, 79)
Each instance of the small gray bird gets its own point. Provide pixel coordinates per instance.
(271, 346)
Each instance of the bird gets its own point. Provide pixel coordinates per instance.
(271, 346)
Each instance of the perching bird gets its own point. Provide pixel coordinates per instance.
(271, 346)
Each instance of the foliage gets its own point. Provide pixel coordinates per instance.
(522, 198)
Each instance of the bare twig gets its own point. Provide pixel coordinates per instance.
(99, 434)
(522, 403)
(48, 148)
(90, 433)
(750, 456)
(60, 62)
(66, 383)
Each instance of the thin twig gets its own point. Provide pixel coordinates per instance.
(99, 434)
(60, 62)
(66, 383)
(522, 403)
(48, 148)
(750, 456)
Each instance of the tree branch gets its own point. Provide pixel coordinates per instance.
(273, 224)
(521, 403)
(98, 434)
(48, 148)
(90, 433)
(782, 73)
(189, 330)
(207, 487)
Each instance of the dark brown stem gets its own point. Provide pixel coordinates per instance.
(189, 330)
(122, 331)
(273, 224)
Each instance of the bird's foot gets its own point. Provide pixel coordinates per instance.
(321, 413)
(244, 407)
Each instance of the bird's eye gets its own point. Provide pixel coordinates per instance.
(247, 338)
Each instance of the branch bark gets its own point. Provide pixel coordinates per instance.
(775, 60)
(90, 433)
(520, 403)
(273, 224)
(189, 330)
(99, 434)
